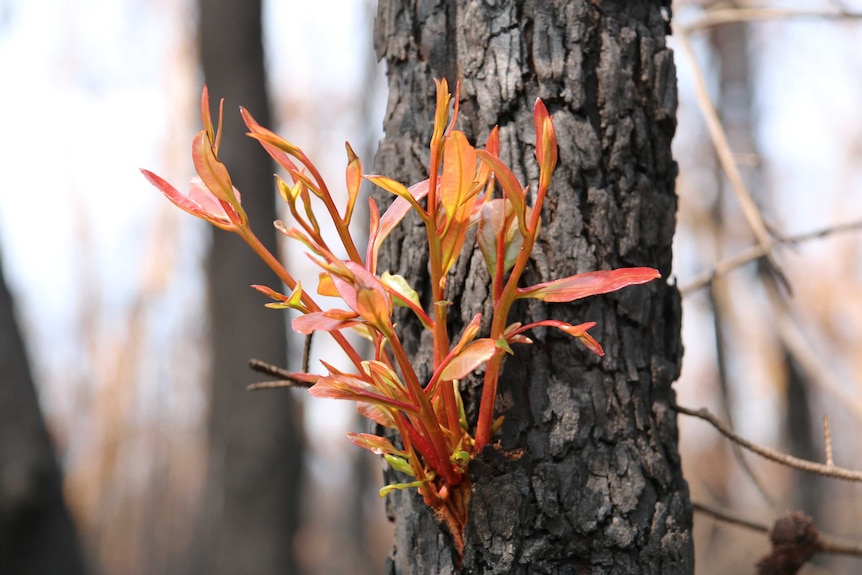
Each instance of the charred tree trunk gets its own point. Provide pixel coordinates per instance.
(37, 536)
(585, 477)
(251, 503)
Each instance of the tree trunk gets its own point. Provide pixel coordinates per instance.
(585, 477)
(251, 502)
(37, 536)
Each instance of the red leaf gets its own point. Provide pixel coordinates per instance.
(590, 283)
(540, 114)
(578, 331)
(338, 385)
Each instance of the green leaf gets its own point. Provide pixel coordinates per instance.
(384, 491)
(403, 290)
(399, 464)
(493, 216)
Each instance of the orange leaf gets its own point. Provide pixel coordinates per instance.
(353, 175)
(212, 172)
(459, 167)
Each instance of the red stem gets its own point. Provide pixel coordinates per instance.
(270, 260)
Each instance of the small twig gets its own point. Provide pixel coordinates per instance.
(827, 440)
(729, 16)
(772, 454)
(727, 159)
(828, 543)
(286, 378)
(728, 516)
(756, 252)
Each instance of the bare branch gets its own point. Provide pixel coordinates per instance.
(758, 251)
(772, 454)
(286, 378)
(728, 516)
(731, 15)
(727, 159)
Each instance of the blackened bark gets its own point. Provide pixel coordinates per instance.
(586, 477)
(37, 536)
(251, 502)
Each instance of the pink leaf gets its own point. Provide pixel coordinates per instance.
(374, 443)
(376, 414)
(331, 320)
(199, 202)
(472, 357)
(591, 283)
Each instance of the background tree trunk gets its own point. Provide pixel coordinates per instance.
(586, 476)
(250, 509)
(37, 536)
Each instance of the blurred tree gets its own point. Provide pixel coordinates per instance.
(251, 504)
(586, 476)
(37, 536)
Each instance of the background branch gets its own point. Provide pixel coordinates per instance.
(772, 454)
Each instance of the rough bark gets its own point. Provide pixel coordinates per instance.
(251, 499)
(37, 536)
(586, 475)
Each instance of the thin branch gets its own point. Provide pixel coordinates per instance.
(286, 379)
(729, 16)
(772, 454)
(758, 251)
(828, 543)
(728, 516)
(727, 159)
